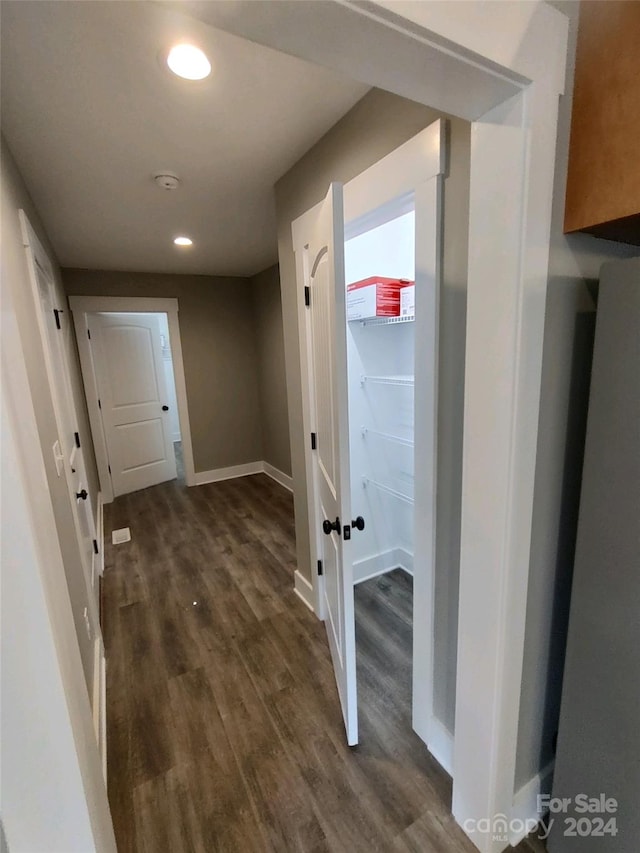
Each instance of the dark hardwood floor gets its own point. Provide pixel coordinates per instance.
(224, 725)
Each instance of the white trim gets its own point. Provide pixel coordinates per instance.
(405, 561)
(103, 716)
(303, 589)
(380, 564)
(125, 305)
(525, 804)
(230, 473)
(81, 306)
(175, 343)
(99, 702)
(100, 533)
(371, 567)
(279, 476)
(441, 744)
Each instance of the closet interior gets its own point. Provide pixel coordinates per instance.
(380, 358)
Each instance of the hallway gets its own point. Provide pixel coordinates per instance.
(224, 727)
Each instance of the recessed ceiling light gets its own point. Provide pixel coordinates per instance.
(189, 62)
(183, 241)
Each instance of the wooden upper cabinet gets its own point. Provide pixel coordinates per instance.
(603, 182)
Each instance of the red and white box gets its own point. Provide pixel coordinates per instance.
(408, 299)
(374, 297)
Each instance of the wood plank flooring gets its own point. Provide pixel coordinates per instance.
(224, 725)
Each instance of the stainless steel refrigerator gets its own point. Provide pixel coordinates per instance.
(596, 787)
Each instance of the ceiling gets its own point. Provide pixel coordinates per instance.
(90, 112)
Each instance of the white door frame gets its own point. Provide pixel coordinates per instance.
(502, 67)
(81, 306)
(416, 167)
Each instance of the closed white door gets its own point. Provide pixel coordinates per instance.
(331, 457)
(127, 357)
(84, 513)
(57, 338)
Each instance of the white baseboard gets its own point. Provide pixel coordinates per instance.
(524, 813)
(380, 564)
(404, 559)
(279, 476)
(303, 589)
(99, 703)
(218, 474)
(441, 744)
(373, 566)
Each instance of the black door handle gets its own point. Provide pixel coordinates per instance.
(165, 408)
(83, 495)
(358, 523)
(329, 526)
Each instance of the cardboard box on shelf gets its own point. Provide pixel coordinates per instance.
(408, 300)
(375, 296)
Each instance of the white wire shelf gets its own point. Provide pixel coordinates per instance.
(407, 442)
(385, 321)
(406, 380)
(366, 482)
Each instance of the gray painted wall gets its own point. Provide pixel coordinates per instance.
(272, 382)
(219, 352)
(14, 196)
(378, 124)
(574, 267)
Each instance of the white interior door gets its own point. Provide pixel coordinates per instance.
(127, 357)
(331, 457)
(58, 340)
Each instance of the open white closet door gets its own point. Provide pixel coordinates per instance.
(331, 456)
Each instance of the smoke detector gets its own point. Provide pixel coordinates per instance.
(167, 180)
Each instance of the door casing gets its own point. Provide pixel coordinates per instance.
(415, 169)
(502, 67)
(146, 411)
(81, 306)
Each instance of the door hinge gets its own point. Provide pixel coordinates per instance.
(76, 435)
(313, 441)
(95, 546)
(89, 333)
(320, 568)
(99, 403)
(109, 467)
(56, 313)
(307, 295)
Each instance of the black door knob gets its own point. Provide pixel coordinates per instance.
(329, 526)
(165, 408)
(83, 495)
(358, 523)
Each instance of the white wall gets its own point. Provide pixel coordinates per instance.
(52, 788)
